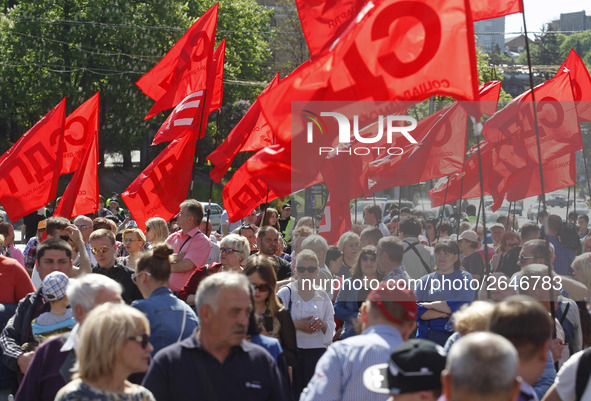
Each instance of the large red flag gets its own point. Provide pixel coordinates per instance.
(82, 194)
(486, 9)
(324, 20)
(580, 81)
(30, 169)
(336, 220)
(397, 50)
(250, 134)
(217, 94)
(163, 185)
(183, 70)
(182, 120)
(81, 127)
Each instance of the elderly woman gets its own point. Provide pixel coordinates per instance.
(469, 319)
(156, 230)
(134, 241)
(356, 289)
(313, 318)
(234, 250)
(171, 320)
(509, 240)
(350, 245)
(112, 344)
(441, 293)
(276, 318)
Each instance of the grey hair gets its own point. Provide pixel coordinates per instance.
(239, 243)
(346, 237)
(211, 286)
(307, 254)
(86, 219)
(84, 290)
(483, 364)
(318, 245)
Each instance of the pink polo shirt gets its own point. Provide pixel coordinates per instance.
(196, 247)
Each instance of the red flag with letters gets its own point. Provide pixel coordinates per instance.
(580, 81)
(336, 220)
(81, 126)
(82, 194)
(397, 50)
(184, 69)
(486, 9)
(324, 20)
(163, 185)
(252, 133)
(30, 169)
(182, 120)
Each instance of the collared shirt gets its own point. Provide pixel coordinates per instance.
(526, 392)
(248, 373)
(397, 274)
(196, 247)
(339, 372)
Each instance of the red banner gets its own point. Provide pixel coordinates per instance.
(183, 120)
(219, 58)
(486, 9)
(30, 169)
(580, 81)
(81, 126)
(336, 220)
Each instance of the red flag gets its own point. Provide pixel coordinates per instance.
(324, 20)
(434, 54)
(81, 127)
(512, 129)
(486, 9)
(250, 134)
(163, 185)
(336, 220)
(580, 81)
(82, 194)
(183, 70)
(182, 120)
(217, 93)
(30, 169)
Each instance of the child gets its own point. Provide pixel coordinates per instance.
(60, 318)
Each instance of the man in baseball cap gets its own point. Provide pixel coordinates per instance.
(412, 373)
(388, 317)
(472, 262)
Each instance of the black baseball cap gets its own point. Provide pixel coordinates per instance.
(416, 365)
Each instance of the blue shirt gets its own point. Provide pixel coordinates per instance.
(165, 313)
(564, 257)
(453, 288)
(339, 372)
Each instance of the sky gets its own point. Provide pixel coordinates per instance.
(538, 12)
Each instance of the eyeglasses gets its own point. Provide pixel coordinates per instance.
(82, 227)
(368, 258)
(102, 249)
(262, 287)
(229, 251)
(141, 339)
(522, 258)
(134, 276)
(310, 269)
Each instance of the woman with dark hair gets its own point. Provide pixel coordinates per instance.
(441, 293)
(354, 291)
(271, 218)
(430, 231)
(171, 320)
(276, 319)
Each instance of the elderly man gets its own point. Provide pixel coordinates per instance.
(481, 367)
(51, 368)
(103, 246)
(53, 254)
(191, 247)
(388, 317)
(217, 361)
(84, 224)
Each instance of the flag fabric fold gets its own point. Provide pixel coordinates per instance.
(580, 81)
(486, 9)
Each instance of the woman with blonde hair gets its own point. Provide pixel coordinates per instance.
(112, 344)
(350, 245)
(156, 230)
(134, 242)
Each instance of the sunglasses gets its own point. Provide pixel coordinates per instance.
(141, 339)
(368, 258)
(102, 249)
(262, 287)
(228, 251)
(310, 269)
(522, 258)
(134, 276)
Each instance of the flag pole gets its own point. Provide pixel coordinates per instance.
(442, 210)
(216, 136)
(567, 204)
(196, 157)
(460, 209)
(586, 172)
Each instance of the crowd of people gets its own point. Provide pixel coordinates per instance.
(403, 307)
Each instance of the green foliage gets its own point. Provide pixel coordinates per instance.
(581, 43)
(546, 49)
